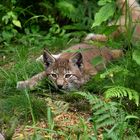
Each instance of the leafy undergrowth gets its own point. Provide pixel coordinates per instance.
(64, 125)
(106, 108)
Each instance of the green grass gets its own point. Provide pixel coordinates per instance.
(107, 107)
(28, 107)
(42, 104)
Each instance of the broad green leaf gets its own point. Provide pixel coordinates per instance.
(103, 2)
(16, 23)
(136, 56)
(5, 19)
(104, 14)
(12, 15)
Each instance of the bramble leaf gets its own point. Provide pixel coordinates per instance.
(104, 14)
(136, 56)
(16, 23)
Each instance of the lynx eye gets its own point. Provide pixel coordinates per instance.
(54, 75)
(68, 75)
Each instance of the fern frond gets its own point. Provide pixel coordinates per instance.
(105, 123)
(91, 99)
(103, 112)
(66, 8)
(57, 107)
(77, 11)
(104, 117)
(109, 116)
(120, 92)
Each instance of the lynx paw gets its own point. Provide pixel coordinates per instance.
(21, 85)
(26, 84)
(1, 137)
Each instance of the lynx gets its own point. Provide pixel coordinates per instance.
(70, 70)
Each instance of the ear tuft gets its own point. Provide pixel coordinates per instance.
(77, 59)
(48, 58)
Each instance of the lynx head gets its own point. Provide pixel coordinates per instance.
(65, 72)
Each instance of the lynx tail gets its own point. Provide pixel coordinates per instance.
(117, 53)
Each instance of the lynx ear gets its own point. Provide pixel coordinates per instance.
(48, 58)
(77, 59)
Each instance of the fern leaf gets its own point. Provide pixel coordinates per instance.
(119, 91)
(104, 117)
(110, 116)
(106, 122)
(97, 106)
(66, 8)
(92, 99)
(57, 107)
(101, 111)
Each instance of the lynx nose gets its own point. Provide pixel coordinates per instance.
(60, 82)
(60, 86)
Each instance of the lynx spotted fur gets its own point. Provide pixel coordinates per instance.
(72, 68)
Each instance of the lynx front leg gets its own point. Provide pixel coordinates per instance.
(32, 82)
